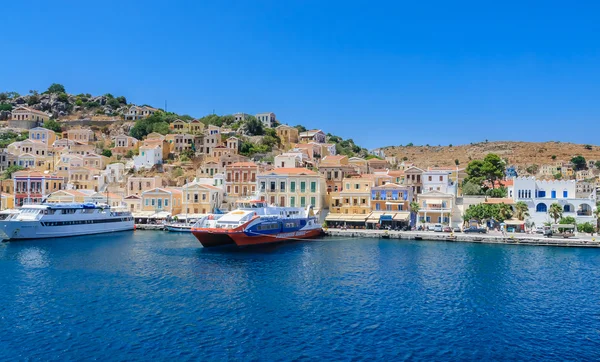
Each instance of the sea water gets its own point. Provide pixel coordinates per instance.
(148, 295)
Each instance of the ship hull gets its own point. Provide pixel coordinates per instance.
(10, 231)
(243, 239)
(210, 239)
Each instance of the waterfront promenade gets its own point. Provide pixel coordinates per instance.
(580, 240)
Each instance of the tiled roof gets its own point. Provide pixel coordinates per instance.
(292, 171)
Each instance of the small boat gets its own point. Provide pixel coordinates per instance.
(179, 227)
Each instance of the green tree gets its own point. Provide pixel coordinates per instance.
(497, 193)
(53, 125)
(122, 100)
(129, 154)
(597, 164)
(471, 188)
(504, 212)
(56, 88)
(33, 99)
(553, 157)
(114, 103)
(558, 176)
(588, 147)
(586, 227)
(521, 210)
(579, 162)
(254, 127)
(456, 162)
(107, 153)
(567, 220)
(300, 128)
(10, 170)
(6, 107)
(555, 211)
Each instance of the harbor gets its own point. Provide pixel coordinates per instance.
(495, 238)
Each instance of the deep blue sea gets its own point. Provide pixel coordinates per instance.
(161, 296)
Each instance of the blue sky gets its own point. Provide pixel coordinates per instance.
(382, 73)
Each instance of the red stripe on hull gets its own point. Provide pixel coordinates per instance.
(241, 239)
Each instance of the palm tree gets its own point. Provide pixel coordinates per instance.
(555, 211)
(504, 212)
(414, 208)
(521, 210)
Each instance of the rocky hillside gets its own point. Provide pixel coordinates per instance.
(61, 105)
(520, 154)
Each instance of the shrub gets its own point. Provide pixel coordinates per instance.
(5, 107)
(588, 147)
(56, 88)
(79, 102)
(53, 125)
(92, 104)
(113, 103)
(107, 153)
(63, 97)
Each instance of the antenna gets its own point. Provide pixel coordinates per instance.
(165, 106)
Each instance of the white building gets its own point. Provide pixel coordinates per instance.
(540, 194)
(148, 157)
(288, 160)
(267, 119)
(438, 180)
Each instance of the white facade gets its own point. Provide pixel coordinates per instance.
(438, 181)
(267, 119)
(148, 157)
(540, 194)
(288, 160)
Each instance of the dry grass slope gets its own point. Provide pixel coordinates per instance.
(520, 154)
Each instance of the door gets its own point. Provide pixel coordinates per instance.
(159, 203)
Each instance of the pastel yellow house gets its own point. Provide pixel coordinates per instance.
(138, 185)
(162, 200)
(68, 196)
(179, 126)
(133, 203)
(7, 201)
(352, 205)
(82, 135)
(200, 198)
(84, 178)
(96, 161)
(196, 127)
(43, 135)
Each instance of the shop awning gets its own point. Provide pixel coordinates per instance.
(386, 217)
(374, 216)
(160, 215)
(143, 214)
(402, 216)
(334, 217)
(355, 218)
(514, 222)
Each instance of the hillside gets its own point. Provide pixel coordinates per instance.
(519, 154)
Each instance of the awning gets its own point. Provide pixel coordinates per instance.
(402, 216)
(189, 216)
(514, 222)
(334, 217)
(160, 215)
(386, 217)
(143, 214)
(374, 216)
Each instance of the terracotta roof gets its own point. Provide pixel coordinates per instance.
(292, 171)
(243, 164)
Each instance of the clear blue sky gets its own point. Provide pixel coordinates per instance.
(434, 72)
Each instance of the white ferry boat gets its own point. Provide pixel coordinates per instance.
(63, 219)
